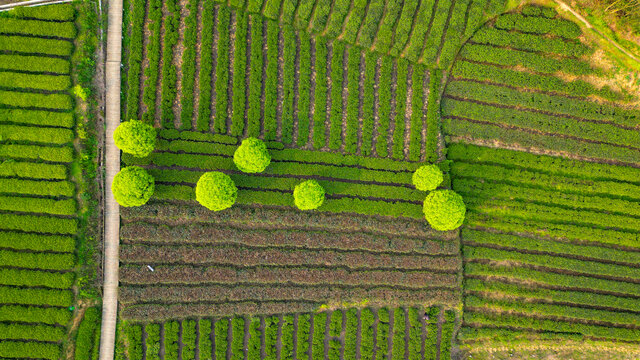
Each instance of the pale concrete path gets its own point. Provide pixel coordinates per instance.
(112, 166)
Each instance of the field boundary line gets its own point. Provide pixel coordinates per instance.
(112, 166)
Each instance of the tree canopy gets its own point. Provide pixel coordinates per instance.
(132, 186)
(135, 137)
(444, 210)
(308, 195)
(216, 191)
(252, 156)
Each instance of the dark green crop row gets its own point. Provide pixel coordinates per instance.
(34, 350)
(335, 114)
(59, 12)
(270, 337)
(397, 349)
(32, 187)
(368, 104)
(134, 337)
(36, 134)
(510, 77)
(135, 58)
(352, 110)
(539, 25)
(34, 152)
(433, 116)
(223, 62)
(45, 261)
(151, 71)
(13, 80)
(384, 37)
(43, 224)
(221, 342)
(204, 338)
(206, 67)
(403, 28)
(34, 100)
(369, 27)
(320, 16)
(289, 55)
(27, 45)
(171, 22)
(337, 18)
(534, 10)
(417, 115)
(431, 45)
(304, 89)
(447, 334)
(400, 108)
(50, 315)
(237, 338)
(171, 340)
(287, 350)
(384, 112)
(529, 60)
(431, 348)
(152, 342)
(188, 340)
(320, 93)
(88, 334)
(415, 334)
(271, 83)
(239, 73)
(37, 117)
(255, 78)
(189, 65)
(271, 8)
(354, 20)
(420, 29)
(543, 102)
(318, 334)
(452, 39)
(544, 164)
(382, 333)
(530, 42)
(25, 296)
(38, 28)
(31, 332)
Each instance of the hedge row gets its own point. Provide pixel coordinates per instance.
(354, 20)
(384, 37)
(38, 28)
(204, 340)
(336, 19)
(58, 12)
(335, 115)
(30, 45)
(13, 80)
(576, 298)
(451, 41)
(530, 42)
(549, 103)
(32, 134)
(25, 296)
(49, 315)
(586, 284)
(617, 319)
(135, 58)
(34, 350)
(88, 334)
(369, 27)
(34, 100)
(255, 338)
(403, 27)
(31, 332)
(223, 62)
(544, 164)
(430, 348)
(420, 32)
(151, 71)
(489, 190)
(320, 16)
(539, 25)
(432, 44)
(37, 117)
(45, 261)
(189, 65)
(134, 336)
(33, 170)
(530, 60)
(32, 187)
(489, 73)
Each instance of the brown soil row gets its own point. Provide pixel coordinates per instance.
(243, 256)
(240, 292)
(269, 216)
(199, 233)
(140, 274)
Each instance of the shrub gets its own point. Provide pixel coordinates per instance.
(216, 191)
(252, 156)
(135, 137)
(444, 210)
(132, 186)
(308, 195)
(427, 177)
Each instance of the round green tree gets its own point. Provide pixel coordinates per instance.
(444, 210)
(135, 137)
(132, 186)
(252, 156)
(216, 191)
(308, 195)
(427, 177)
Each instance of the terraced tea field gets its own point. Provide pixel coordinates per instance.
(42, 221)
(528, 119)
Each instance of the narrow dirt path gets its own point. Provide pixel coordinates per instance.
(112, 166)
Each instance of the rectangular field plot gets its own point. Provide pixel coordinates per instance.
(265, 260)
(367, 333)
(38, 204)
(551, 248)
(228, 71)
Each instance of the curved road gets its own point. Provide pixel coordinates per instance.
(112, 166)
